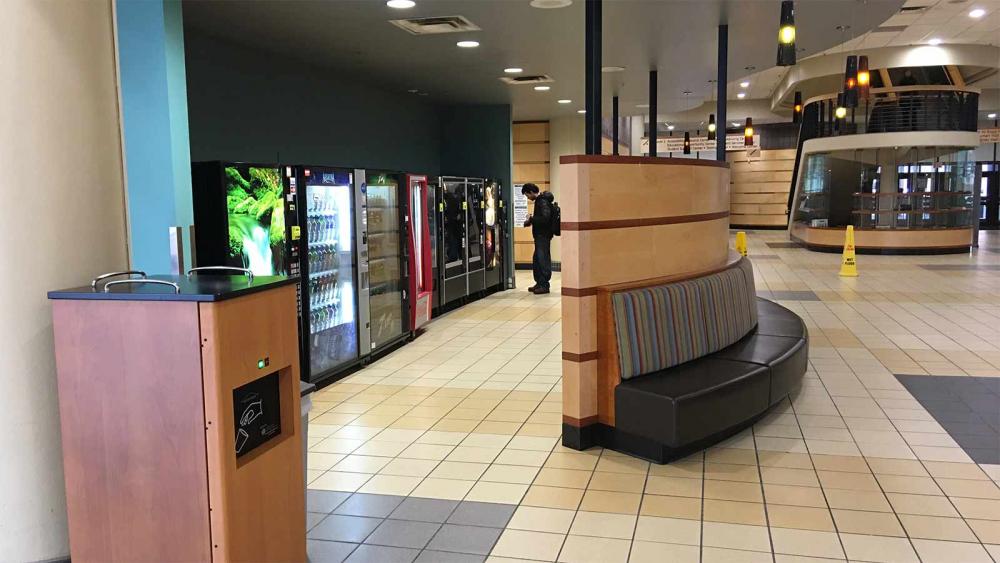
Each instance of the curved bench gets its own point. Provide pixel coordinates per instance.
(685, 364)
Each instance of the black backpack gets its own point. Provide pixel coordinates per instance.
(556, 219)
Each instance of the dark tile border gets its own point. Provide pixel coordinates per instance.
(484, 522)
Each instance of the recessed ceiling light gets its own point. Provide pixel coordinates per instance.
(467, 44)
(744, 84)
(642, 106)
(581, 111)
(991, 116)
(550, 4)
(542, 88)
(977, 13)
(934, 41)
(736, 123)
(401, 4)
(670, 127)
(565, 101)
(741, 95)
(413, 90)
(513, 70)
(612, 69)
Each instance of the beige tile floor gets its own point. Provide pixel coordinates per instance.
(852, 468)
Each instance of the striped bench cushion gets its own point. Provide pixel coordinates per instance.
(662, 326)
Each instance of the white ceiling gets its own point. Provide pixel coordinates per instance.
(677, 37)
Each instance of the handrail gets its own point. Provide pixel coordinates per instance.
(898, 90)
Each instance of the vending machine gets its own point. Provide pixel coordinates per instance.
(420, 248)
(494, 233)
(242, 214)
(382, 250)
(329, 318)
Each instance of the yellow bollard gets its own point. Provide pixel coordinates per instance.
(849, 265)
(741, 243)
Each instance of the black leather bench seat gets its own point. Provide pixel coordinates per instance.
(672, 412)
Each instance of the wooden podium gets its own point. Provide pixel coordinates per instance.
(181, 429)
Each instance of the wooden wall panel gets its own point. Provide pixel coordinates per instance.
(535, 172)
(531, 164)
(531, 152)
(627, 219)
(760, 186)
(531, 131)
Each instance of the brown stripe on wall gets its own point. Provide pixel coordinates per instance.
(642, 222)
(609, 159)
(580, 358)
(578, 292)
(580, 422)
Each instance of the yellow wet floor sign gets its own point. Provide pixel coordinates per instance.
(849, 265)
(741, 243)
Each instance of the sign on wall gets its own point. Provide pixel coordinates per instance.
(989, 136)
(664, 145)
(520, 206)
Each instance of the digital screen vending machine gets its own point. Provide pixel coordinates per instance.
(419, 244)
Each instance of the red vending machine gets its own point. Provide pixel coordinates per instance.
(419, 244)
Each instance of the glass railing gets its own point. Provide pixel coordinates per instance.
(918, 210)
(894, 110)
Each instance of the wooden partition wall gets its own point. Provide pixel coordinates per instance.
(759, 187)
(531, 164)
(628, 219)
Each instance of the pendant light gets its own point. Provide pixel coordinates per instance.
(748, 133)
(711, 127)
(851, 82)
(786, 34)
(687, 143)
(841, 111)
(797, 108)
(864, 77)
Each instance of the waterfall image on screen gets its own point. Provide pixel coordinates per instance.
(256, 210)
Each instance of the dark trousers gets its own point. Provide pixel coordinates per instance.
(541, 261)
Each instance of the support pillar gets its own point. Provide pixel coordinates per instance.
(720, 108)
(592, 74)
(614, 125)
(155, 128)
(652, 113)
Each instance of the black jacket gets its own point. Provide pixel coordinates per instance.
(541, 219)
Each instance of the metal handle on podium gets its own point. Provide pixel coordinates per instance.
(246, 271)
(107, 286)
(98, 279)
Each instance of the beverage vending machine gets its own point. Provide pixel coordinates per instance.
(419, 244)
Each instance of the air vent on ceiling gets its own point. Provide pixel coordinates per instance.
(432, 26)
(890, 29)
(536, 79)
(912, 9)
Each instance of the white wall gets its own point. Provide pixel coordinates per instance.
(566, 137)
(63, 222)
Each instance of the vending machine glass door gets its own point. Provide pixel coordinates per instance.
(330, 263)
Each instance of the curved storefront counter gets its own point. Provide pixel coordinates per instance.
(885, 241)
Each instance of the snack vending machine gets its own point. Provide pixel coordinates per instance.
(494, 233)
(382, 251)
(419, 244)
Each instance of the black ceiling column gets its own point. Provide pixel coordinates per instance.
(614, 125)
(652, 113)
(592, 74)
(721, 79)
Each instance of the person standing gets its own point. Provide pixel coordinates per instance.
(542, 230)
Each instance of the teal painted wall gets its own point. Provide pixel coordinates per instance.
(250, 106)
(476, 141)
(155, 122)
